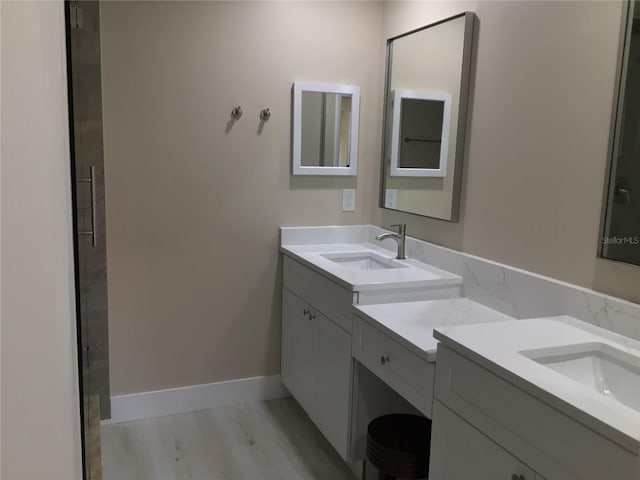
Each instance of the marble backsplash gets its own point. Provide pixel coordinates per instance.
(515, 292)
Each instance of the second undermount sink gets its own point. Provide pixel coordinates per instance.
(598, 366)
(363, 261)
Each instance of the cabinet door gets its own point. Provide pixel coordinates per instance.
(299, 350)
(334, 383)
(459, 452)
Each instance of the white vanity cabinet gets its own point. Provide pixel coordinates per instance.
(487, 427)
(460, 451)
(300, 349)
(333, 397)
(316, 350)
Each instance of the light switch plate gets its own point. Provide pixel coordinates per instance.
(391, 198)
(348, 200)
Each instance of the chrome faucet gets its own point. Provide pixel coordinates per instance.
(398, 237)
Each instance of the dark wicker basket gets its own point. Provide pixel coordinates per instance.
(398, 446)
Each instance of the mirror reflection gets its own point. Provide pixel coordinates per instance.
(420, 134)
(621, 236)
(426, 96)
(325, 129)
(326, 121)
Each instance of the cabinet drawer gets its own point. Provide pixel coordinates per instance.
(556, 445)
(326, 296)
(405, 372)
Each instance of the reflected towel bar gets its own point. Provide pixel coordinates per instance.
(407, 140)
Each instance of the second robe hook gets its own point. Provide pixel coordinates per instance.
(236, 112)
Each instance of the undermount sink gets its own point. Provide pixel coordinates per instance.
(363, 261)
(600, 367)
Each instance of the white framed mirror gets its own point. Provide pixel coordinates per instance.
(420, 133)
(325, 129)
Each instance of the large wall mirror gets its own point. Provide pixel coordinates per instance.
(325, 129)
(426, 100)
(621, 218)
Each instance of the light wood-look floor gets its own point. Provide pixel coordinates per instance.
(269, 440)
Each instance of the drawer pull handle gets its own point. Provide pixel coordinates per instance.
(384, 359)
(515, 476)
(312, 317)
(305, 312)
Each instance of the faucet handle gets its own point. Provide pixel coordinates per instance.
(402, 227)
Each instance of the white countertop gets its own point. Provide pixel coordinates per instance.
(412, 323)
(417, 274)
(496, 346)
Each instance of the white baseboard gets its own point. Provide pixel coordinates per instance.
(158, 403)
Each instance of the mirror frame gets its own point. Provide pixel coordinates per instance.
(298, 167)
(396, 170)
(615, 132)
(464, 106)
